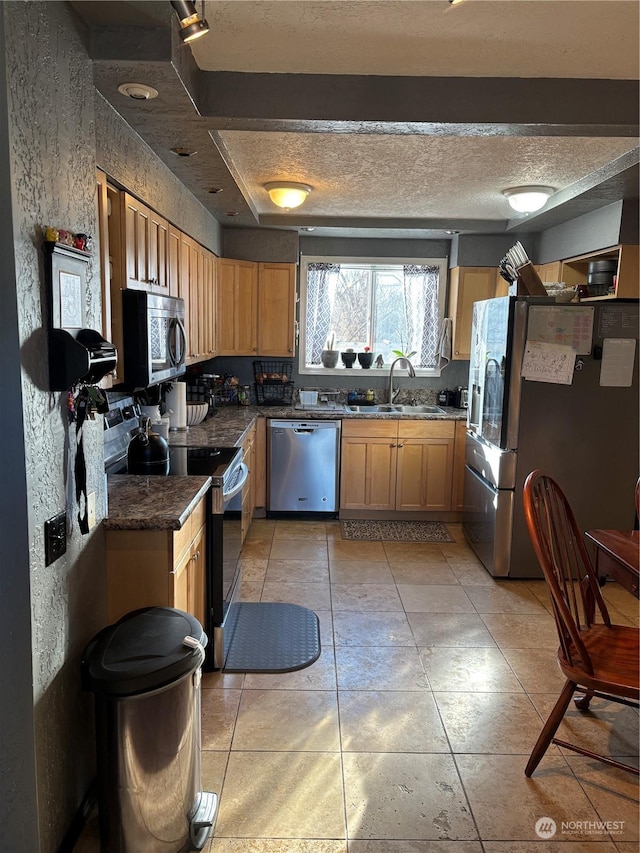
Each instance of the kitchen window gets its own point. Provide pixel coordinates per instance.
(372, 302)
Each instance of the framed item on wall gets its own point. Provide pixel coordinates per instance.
(66, 273)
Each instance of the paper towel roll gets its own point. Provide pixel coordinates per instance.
(176, 406)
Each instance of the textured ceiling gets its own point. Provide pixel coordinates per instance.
(478, 38)
(384, 107)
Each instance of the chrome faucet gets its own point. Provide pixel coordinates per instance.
(406, 363)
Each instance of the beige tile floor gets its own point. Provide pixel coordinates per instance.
(411, 732)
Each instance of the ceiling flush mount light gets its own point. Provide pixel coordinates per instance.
(214, 190)
(184, 152)
(528, 199)
(287, 194)
(138, 91)
(192, 24)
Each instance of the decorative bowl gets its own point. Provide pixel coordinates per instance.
(196, 413)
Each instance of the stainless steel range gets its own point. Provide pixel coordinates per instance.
(228, 474)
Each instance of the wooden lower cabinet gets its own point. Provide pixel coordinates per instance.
(397, 465)
(163, 568)
(249, 491)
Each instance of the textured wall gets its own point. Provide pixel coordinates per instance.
(52, 155)
(270, 245)
(589, 233)
(125, 158)
(53, 118)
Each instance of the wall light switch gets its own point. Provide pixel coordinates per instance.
(55, 538)
(91, 509)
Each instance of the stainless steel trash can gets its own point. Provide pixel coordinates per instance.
(145, 672)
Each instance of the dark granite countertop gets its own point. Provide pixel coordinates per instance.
(164, 503)
(137, 502)
(229, 424)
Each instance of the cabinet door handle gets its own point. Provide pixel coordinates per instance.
(393, 445)
(401, 445)
(196, 556)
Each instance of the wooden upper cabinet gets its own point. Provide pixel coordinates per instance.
(145, 244)
(237, 307)
(174, 237)
(276, 309)
(207, 295)
(466, 286)
(576, 271)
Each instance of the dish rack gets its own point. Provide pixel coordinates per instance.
(273, 383)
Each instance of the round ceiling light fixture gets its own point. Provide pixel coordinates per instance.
(528, 199)
(214, 190)
(138, 91)
(287, 194)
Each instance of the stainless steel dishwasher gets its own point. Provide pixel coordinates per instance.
(303, 465)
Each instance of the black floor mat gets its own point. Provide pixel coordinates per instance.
(271, 637)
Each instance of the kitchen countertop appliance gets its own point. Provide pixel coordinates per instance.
(584, 434)
(303, 462)
(148, 452)
(228, 474)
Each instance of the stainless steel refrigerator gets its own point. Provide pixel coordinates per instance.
(577, 421)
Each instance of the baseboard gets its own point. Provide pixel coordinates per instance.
(80, 819)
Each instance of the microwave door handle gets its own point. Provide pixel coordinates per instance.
(176, 350)
(180, 349)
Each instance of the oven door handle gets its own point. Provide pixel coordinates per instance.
(226, 496)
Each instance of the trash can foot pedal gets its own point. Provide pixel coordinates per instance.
(201, 824)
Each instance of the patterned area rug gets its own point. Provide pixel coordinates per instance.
(395, 531)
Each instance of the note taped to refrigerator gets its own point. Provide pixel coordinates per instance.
(562, 324)
(545, 362)
(618, 357)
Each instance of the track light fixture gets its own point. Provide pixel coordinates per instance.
(192, 24)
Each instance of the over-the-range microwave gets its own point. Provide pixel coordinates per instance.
(154, 338)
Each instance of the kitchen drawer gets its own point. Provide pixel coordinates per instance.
(426, 429)
(182, 538)
(370, 429)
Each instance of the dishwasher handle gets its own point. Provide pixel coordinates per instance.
(304, 430)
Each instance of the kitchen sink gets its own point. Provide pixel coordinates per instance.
(386, 409)
(419, 410)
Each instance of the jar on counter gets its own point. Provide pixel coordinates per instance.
(244, 395)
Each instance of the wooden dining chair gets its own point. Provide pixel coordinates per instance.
(597, 657)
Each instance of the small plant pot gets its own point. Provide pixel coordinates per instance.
(329, 357)
(348, 358)
(365, 359)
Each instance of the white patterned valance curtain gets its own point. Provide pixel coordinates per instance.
(421, 311)
(322, 279)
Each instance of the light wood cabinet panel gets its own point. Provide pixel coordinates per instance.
(249, 491)
(163, 568)
(145, 238)
(549, 272)
(397, 465)
(424, 477)
(276, 309)
(368, 473)
(457, 498)
(174, 237)
(237, 307)
(466, 286)
(260, 465)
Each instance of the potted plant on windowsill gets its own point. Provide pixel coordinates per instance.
(365, 358)
(329, 355)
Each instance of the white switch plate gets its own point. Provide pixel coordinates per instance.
(91, 509)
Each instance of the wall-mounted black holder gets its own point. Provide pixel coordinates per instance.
(76, 354)
(86, 358)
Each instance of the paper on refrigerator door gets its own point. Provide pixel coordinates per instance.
(618, 356)
(544, 362)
